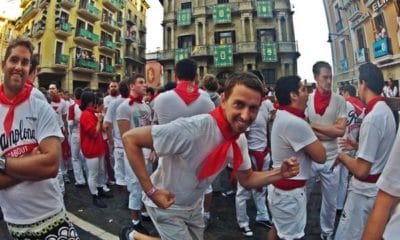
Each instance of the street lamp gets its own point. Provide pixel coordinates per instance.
(337, 34)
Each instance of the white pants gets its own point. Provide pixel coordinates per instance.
(289, 211)
(95, 173)
(78, 163)
(329, 190)
(119, 166)
(343, 185)
(354, 216)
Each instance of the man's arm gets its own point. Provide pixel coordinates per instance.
(107, 127)
(134, 140)
(384, 204)
(7, 181)
(359, 167)
(326, 132)
(64, 118)
(36, 167)
(252, 179)
(316, 151)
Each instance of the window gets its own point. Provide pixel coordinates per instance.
(225, 37)
(223, 1)
(343, 49)
(186, 41)
(90, 28)
(269, 75)
(186, 5)
(380, 25)
(266, 35)
(64, 17)
(360, 38)
(59, 48)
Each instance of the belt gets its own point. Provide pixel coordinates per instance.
(373, 178)
(289, 184)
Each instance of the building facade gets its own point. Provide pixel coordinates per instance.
(85, 43)
(225, 36)
(362, 31)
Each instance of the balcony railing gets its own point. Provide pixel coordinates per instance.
(38, 29)
(88, 35)
(88, 64)
(61, 59)
(114, 5)
(134, 57)
(246, 47)
(29, 12)
(200, 51)
(108, 69)
(89, 12)
(287, 47)
(109, 24)
(68, 3)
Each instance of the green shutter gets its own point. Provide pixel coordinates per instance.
(269, 52)
(184, 17)
(222, 13)
(264, 9)
(181, 53)
(223, 56)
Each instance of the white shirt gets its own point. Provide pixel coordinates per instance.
(108, 99)
(184, 145)
(29, 201)
(111, 117)
(290, 134)
(73, 125)
(353, 122)
(257, 134)
(61, 109)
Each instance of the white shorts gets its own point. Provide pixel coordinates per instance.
(289, 211)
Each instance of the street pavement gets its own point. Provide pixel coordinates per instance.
(111, 219)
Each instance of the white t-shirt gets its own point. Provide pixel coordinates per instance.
(29, 201)
(184, 145)
(335, 110)
(353, 122)
(389, 182)
(61, 109)
(73, 125)
(108, 99)
(290, 134)
(168, 106)
(38, 94)
(257, 134)
(110, 117)
(377, 134)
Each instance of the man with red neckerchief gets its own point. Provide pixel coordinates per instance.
(326, 112)
(195, 150)
(377, 135)
(292, 136)
(30, 148)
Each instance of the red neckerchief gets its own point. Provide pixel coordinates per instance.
(188, 91)
(132, 99)
(216, 159)
(357, 104)
(13, 103)
(56, 99)
(77, 102)
(276, 105)
(29, 82)
(372, 103)
(114, 94)
(321, 101)
(293, 111)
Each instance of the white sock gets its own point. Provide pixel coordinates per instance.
(135, 222)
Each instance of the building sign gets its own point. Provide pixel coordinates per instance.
(264, 9)
(153, 73)
(381, 48)
(222, 13)
(269, 52)
(181, 53)
(223, 55)
(184, 17)
(378, 4)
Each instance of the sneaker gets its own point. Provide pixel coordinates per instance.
(228, 193)
(265, 223)
(145, 216)
(140, 228)
(80, 185)
(326, 237)
(246, 231)
(125, 232)
(104, 194)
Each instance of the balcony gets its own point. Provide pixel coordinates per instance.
(119, 62)
(246, 6)
(130, 38)
(29, 12)
(199, 11)
(381, 47)
(43, 3)
(89, 12)
(287, 47)
(109, 24)
(63, 30)
(362, 55)
(61, 61)
(85, 66)
(246, 47)
(107, 71)
(108, 47)
(353, 11)
(343, 65)
(168, 55)
(142, 28)
(131, 20)
(130, 55)
(142, 44)
(169, 17)
(200, 51)
(113, 5)
(120, 21)
(38, 29)
(68, 4)
(86, 37)
(119, 41)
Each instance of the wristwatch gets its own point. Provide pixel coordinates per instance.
(2, 163)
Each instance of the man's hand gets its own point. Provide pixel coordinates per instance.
(347, 144)
(153, 156)
(290, 167)
(163, 198)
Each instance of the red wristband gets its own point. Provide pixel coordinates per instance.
(151, 191)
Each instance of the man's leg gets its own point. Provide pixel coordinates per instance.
(76, 160)
(242, 195)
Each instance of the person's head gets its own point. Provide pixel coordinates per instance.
(124, 88)
(137, 85)
(53, 89)
(33, 68)
(186, 70)
(391, 83)
(349, 90)
(113, 88)
(370, 80)
(323, 76)
(67, 96)
(290, 91)
(16, 64)
(87, 100)
(241, 100)
(210, 83)
(78, 93)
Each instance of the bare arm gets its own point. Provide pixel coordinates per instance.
(107, 126)
(36, 167)
(252, 179)
(330, 131)
(64, 118)
(384, 204)
(123, 126)
(7, 181)
(359, 167)
(316, 151)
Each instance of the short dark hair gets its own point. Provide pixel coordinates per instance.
(372, 76)
(350, 89)
(86, 98)
(284, 86)
(244, 78)
(210, 83)
(132, 80)
(24, 42)
(318, 65)
(150, 90)
(34, 63)
(258, 74)
(186, 69)
(124, 88)
(78, 93)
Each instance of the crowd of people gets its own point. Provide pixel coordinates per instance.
(166, 149)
